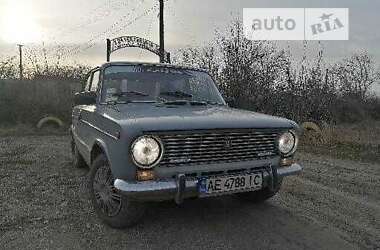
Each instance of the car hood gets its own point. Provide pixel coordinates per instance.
(156, 117)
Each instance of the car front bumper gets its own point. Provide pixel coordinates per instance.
(184, 187)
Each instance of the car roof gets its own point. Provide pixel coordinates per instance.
(165, 65)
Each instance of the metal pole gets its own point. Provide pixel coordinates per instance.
(108, 49)
(21, 69)
(162, 40)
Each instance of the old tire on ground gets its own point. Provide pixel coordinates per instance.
(78, 160)
(113, 208)
(260, 195)
(49, 120)
(312, 132)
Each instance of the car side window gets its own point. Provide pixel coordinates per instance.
(95, 80)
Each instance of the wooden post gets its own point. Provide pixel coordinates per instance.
(21, 68)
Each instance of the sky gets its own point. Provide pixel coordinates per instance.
(85, 24)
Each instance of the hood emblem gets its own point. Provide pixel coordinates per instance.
(227, 142)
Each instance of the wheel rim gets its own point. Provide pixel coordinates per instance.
(106, 196)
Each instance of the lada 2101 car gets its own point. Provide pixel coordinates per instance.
(153, 132)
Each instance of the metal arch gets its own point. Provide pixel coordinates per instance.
(134, 42)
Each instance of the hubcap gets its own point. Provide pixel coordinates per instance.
(106, 196)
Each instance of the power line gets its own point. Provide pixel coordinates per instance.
(90, 43)
(94, 16)
(148, 32)
(181, 23)
(145, 13)
(63, 51)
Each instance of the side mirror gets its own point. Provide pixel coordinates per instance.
(85, 98)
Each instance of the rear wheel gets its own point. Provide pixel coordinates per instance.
(113, 208)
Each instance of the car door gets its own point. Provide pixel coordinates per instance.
(84, 115)
(77, 109)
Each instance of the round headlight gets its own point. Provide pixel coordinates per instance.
(287, 143)
(146, 151)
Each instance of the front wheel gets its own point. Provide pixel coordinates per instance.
(113, 208)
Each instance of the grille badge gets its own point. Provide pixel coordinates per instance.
(227, 142)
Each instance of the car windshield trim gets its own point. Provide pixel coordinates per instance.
(127, 102)
(158, 84)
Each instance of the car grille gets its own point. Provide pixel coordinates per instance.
(205, 147)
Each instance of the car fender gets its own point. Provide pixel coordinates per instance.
(102, 145)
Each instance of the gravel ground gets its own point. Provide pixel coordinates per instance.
(334, 204)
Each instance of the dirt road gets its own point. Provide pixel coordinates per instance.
(334, 204)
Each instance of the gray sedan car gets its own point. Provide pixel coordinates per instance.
(153, 132)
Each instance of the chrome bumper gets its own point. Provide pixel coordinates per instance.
(181, 187)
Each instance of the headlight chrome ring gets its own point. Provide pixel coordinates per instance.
(287, 143)
(146, 151)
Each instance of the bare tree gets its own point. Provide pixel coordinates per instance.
(356, 75)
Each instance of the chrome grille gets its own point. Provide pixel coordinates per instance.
(205, 147)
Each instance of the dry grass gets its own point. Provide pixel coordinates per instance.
(29, 101)
(364, 133)
(359, 141)
(28, 129)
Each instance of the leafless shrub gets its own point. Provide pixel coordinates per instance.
(47, 65)
(356, 75)
(8, 68)
(41, 64)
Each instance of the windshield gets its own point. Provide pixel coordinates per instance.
(139, 83)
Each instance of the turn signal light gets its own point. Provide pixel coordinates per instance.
(144, 175)
(286, 162)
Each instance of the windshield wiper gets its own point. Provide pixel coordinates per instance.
(176, 102)
(176, 94)
(204, 102)
(120, 94)
(113, 102)
(195, 103)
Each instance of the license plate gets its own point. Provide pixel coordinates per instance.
(231, 183)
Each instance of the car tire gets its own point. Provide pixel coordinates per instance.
(112, 207)
(78, 160)
(260, 195)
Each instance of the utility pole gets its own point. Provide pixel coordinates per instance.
(162, 40)
(20, 51)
